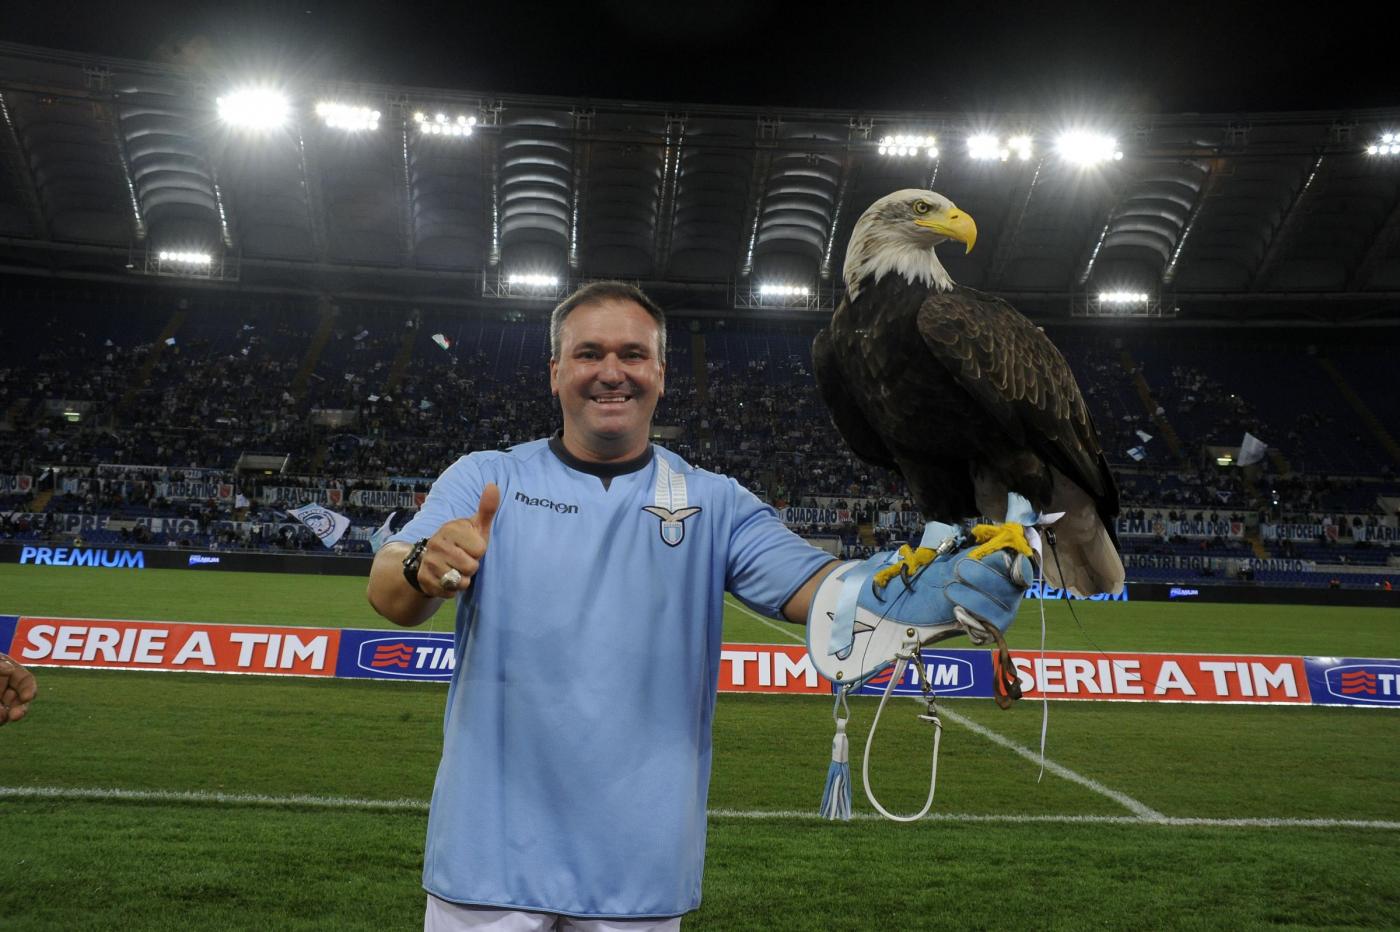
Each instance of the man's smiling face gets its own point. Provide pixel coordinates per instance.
(608, 377)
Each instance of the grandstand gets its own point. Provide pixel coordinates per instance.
(217, 306)
(187, 303)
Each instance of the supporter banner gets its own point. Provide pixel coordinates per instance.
(1298, 531)
(294, 493)
(184, 491)
(187, 472)
(1280, 564)
(804, 516)
(77, 524)
(1168, 561)
(1372, 532)
(744, 668)
(899, 519)
(1156, 525)
(22, 484)
(375, 498)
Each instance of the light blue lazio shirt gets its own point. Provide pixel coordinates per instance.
(576, 753)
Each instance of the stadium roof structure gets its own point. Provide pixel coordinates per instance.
(110, 164)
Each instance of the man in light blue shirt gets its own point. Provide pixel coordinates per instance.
(589, 571)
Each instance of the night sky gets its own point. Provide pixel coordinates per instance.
(971, 56)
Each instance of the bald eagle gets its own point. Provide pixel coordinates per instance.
(960, 393)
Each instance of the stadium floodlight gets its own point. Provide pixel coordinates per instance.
(984, 147)
(440, 124)
(1389, 144)
(532, 280)
(1123, 297)
(1085, 148)
(904, 145)
(776, 290)
(185, 257)
(1023, 146)
(254, 108)
(347, 117)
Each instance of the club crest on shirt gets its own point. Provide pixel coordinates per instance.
(672, 522)
(671, 502)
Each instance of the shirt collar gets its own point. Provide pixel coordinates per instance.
(604, 471)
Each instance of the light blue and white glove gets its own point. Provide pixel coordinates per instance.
(866, 612)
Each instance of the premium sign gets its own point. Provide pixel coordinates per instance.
(82, 556)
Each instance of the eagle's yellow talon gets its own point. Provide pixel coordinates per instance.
(994, 537)
(910, 560)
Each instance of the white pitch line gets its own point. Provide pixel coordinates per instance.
(785, 632)
(1139, 809)
(116, 794)
(202, 797)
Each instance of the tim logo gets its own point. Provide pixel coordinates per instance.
(413, 658)
(1371, 682)
(945, 673)
(560, 507)
(392, 655)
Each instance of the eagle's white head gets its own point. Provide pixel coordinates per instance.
(897, 233)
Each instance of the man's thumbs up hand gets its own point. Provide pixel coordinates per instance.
(459, 546)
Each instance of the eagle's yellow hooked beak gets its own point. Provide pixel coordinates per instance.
(955, 224)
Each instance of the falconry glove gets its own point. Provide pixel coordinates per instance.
(865, 612)
(870, 615)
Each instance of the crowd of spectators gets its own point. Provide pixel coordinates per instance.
(362, 397)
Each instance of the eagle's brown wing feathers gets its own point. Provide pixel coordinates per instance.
(850, 420)
(1020, 378)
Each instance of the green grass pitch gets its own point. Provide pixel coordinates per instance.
(184, 801)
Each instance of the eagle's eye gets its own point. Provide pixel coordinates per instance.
(921, 207)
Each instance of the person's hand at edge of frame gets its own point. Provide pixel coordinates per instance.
(17, 690)
(459, 545)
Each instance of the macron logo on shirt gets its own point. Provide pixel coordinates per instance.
(560, 507)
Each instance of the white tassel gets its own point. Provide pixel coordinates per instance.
(836, 800)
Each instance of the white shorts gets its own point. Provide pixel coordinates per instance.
(442, 916)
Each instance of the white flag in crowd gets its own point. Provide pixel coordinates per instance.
(1138, 454)
(1251, 450)
(324, 523)
(381, 537)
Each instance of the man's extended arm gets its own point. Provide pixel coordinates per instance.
(390, 593)
(798, 606)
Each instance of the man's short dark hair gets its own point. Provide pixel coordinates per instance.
(595, 292)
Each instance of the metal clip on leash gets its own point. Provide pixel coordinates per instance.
(909, 651)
